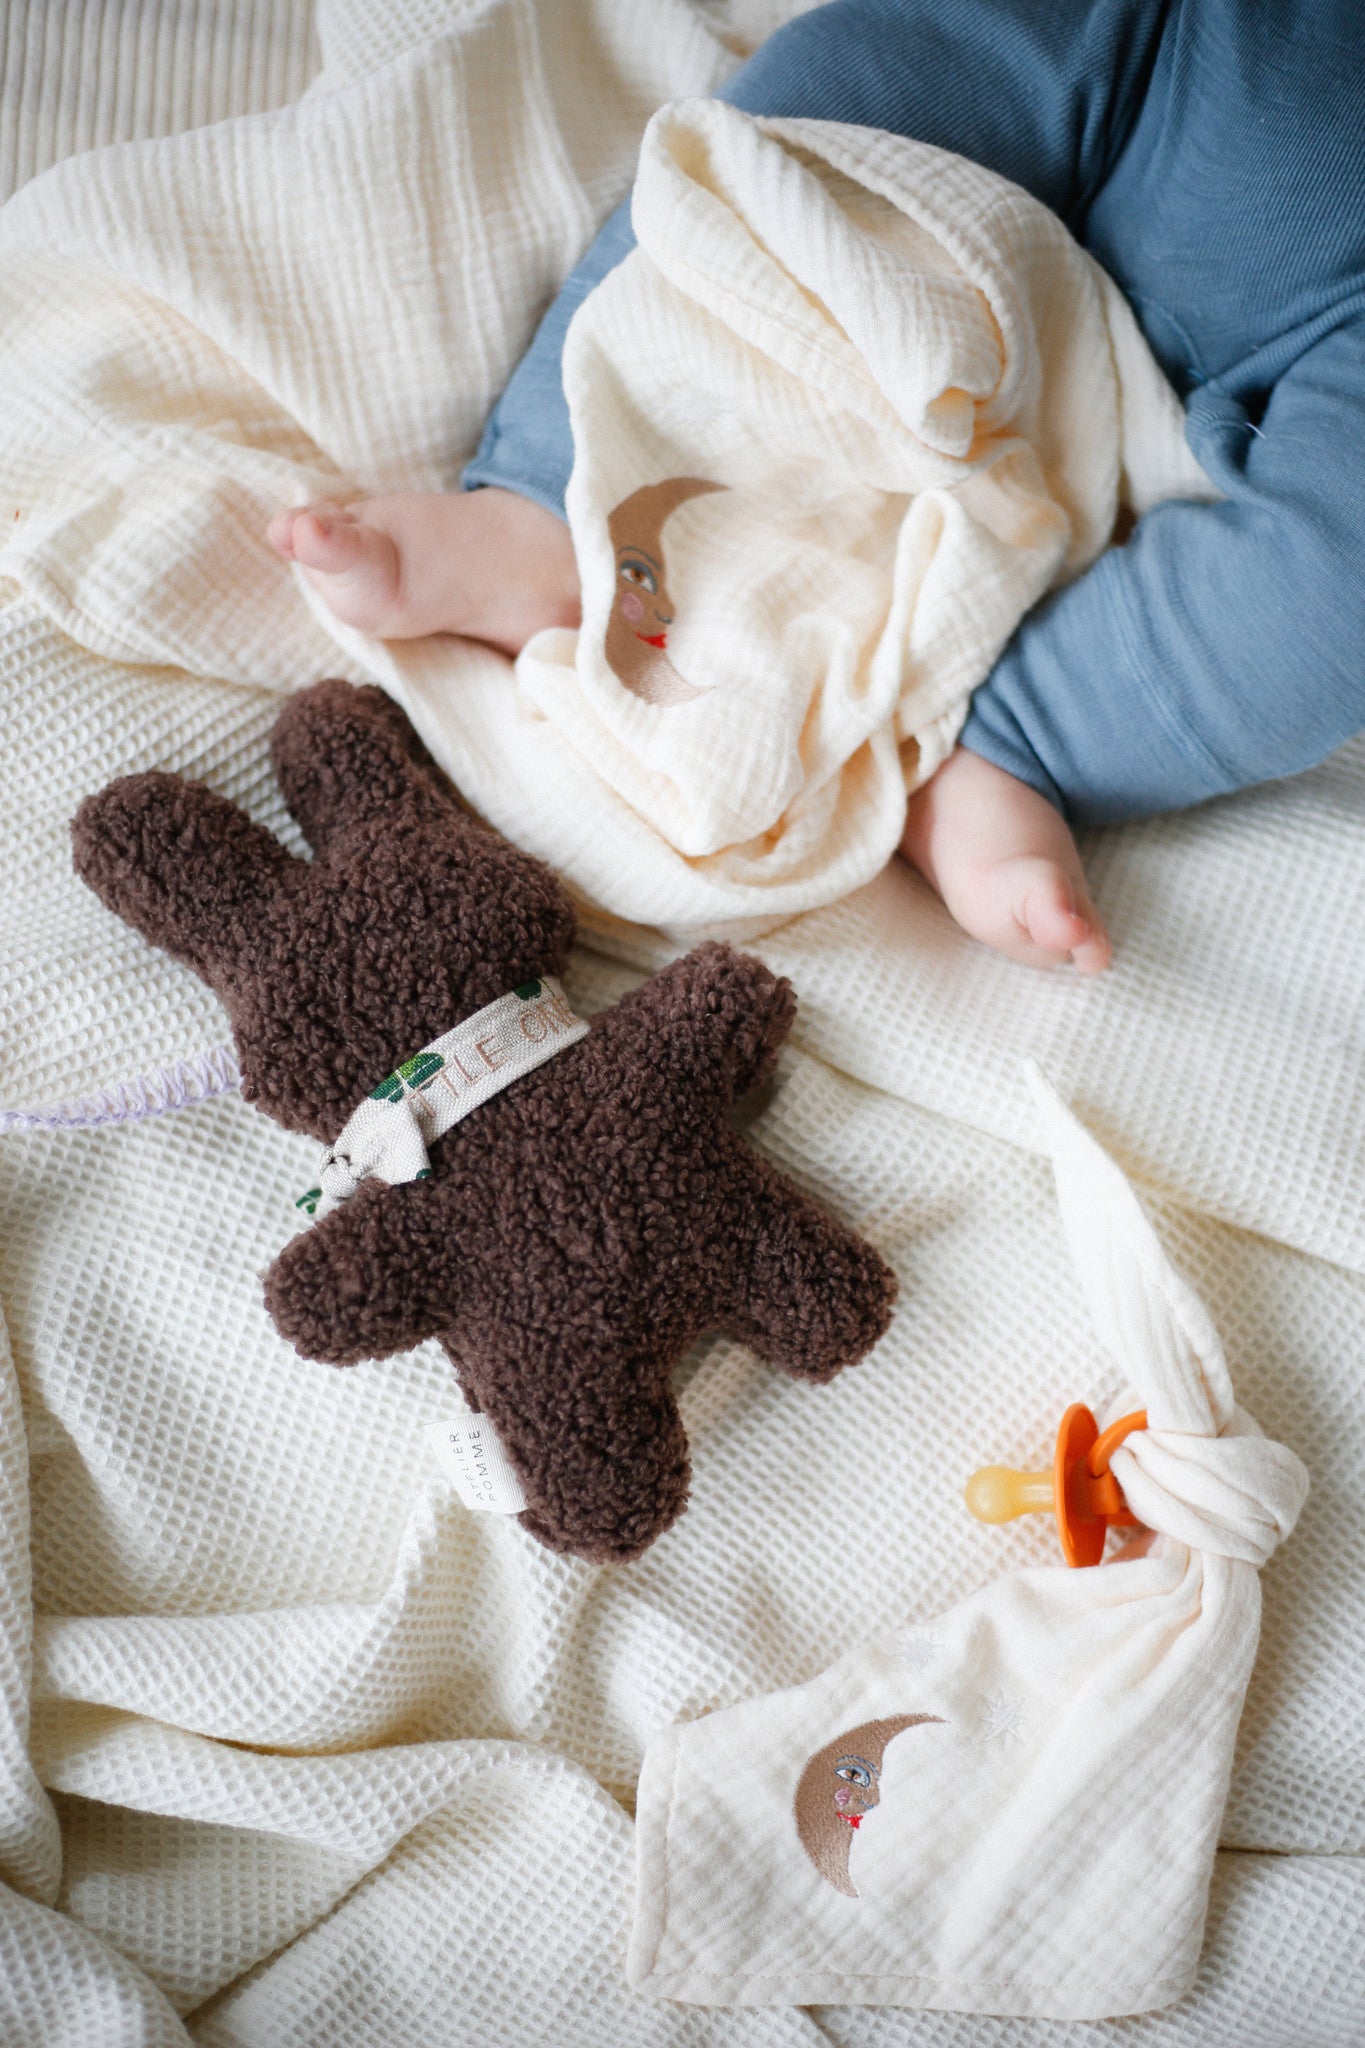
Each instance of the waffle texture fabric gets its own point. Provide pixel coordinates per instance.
(293, 1749)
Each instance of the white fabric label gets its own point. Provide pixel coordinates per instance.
(469, 1451)
(388, 1134)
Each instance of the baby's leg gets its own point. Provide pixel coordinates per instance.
(1219, 648)
(1003, 860)
(489, 564)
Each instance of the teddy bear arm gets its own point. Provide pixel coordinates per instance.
(714, 1013)
(371, 1279)
(186, 868)
(807, 1294)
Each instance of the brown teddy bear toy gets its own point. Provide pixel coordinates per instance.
(574, 1233)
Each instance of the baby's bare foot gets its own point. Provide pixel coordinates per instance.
(1032, 910)
(1006, 865)
(487, 564)
(352, 562)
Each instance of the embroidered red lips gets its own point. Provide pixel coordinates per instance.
(842, 1783)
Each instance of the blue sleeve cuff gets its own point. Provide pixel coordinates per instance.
(999, 740)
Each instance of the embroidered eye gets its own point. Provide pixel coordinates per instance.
(854, 1774)
(634, 569)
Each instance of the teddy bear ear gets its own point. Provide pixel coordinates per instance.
(346, 757)
(184, 866)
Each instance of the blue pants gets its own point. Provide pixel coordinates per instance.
(1211, 155)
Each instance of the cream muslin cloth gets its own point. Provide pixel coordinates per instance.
(1036, 1777)
(851, 406)
(849, 409)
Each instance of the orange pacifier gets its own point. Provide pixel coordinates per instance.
(1080, 1490)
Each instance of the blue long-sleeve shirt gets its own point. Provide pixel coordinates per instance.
(1211, 155)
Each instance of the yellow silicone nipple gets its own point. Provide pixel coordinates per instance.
(998, 1494)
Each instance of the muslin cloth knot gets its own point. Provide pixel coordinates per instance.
(1237, 1494)
(1203, 1471)
(384, 1140)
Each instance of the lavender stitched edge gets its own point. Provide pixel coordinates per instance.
(176, 1086)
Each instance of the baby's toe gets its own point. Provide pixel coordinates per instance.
(1094, 952)
(327, 538)
(312, 534)
(352, 565)
(1058, 920)
(280, 532)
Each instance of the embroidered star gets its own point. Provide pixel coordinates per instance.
(919, 1650)
(1003, 1718)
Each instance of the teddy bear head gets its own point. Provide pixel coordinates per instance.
(410, 916)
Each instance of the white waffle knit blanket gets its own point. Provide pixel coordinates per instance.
(295, 1752)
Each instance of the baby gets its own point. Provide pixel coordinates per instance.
(1211, 155)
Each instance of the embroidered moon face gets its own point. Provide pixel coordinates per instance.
(642, 609)
(840, 1785)
(859, 1792)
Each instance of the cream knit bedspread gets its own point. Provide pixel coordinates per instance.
(292, 1749)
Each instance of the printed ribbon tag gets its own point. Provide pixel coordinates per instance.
(388, 1135)
(469, 1451)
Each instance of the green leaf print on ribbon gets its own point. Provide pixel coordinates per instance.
(414, 1072)
(421, 1067)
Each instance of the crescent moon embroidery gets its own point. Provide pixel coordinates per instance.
(839, 1787)
(642, 610)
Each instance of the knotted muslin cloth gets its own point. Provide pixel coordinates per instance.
(1012, 1809)
(849, 409)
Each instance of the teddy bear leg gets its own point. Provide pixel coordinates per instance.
(808, 1295)
(596, 1440)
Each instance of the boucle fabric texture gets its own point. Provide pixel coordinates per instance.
(327, 1758)
(847, 410)
(1042, 1842)
(579, 1233)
